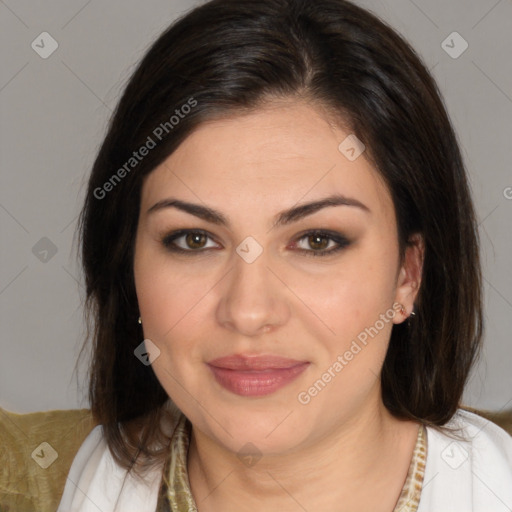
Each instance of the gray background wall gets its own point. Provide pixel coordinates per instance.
(54, 113)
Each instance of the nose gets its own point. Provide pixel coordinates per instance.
(253, 300)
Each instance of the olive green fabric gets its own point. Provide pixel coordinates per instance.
(26, 485)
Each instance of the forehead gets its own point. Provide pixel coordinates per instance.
(281, 154)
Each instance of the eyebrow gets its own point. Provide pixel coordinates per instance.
(281, 219)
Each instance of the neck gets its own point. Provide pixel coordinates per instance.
(372, 451)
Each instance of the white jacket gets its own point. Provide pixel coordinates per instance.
(460, 476)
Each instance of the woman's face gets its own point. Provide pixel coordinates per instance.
(267, 333)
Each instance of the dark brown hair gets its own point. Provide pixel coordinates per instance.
(228, 56)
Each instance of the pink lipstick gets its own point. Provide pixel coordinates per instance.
(256, 375)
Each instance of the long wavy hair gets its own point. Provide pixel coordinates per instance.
(229, 56)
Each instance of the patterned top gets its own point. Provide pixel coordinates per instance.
(175, 494)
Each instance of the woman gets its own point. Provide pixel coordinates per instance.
(280, 211)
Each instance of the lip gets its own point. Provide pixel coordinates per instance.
(256, 375)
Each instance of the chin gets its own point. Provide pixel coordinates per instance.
(271, 430)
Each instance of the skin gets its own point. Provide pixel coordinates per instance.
(326, 454)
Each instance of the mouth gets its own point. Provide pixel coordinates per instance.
(257, 375)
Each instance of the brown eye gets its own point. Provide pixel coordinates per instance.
(321, 243)
(318, 242)
(195, 240)
(188, 241)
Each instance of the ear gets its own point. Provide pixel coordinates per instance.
(409, 277)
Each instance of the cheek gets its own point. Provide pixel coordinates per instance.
(173, 307)
(351, 295)
(347, 304)
(168, 294)
(166, 301)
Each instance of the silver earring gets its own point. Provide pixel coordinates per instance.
(410, 316)
(140, 320)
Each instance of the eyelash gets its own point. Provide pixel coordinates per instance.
(168, 242)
